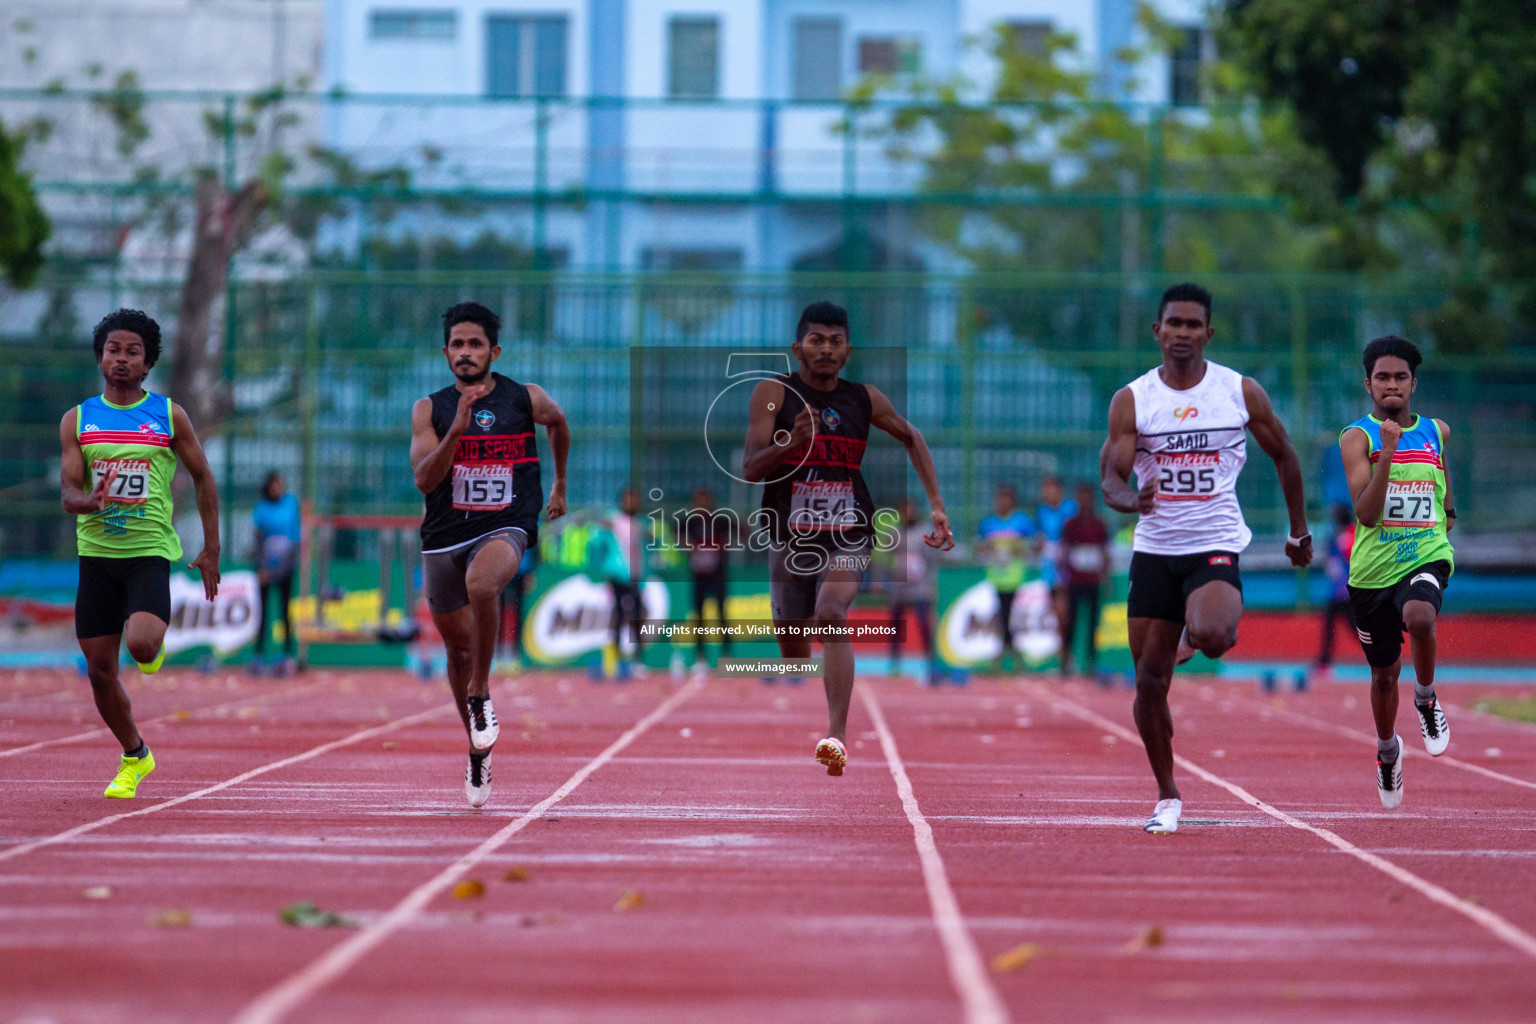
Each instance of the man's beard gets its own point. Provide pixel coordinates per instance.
(468, 376)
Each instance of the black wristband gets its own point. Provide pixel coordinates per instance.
(1450, 513)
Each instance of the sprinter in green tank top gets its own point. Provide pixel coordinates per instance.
(1402, 559)
(120, 451)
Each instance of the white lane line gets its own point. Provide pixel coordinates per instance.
(978, 996)
(283, 998)
(79, 830)
(1499, 926)
(1364, 737)
(160, 720)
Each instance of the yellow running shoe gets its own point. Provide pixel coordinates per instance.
(126, 785)
(151, 667)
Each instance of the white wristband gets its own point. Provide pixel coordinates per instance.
(1299, 541)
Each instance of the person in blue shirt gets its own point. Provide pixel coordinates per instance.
(1003, 545)
(279, 529)
(1051, 515)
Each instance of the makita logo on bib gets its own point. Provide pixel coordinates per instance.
(1189, 412)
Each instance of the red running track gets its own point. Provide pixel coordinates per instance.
(765, 890)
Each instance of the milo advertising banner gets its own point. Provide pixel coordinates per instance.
(967, 635)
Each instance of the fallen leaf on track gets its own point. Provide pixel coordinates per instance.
(391, 745)
(178, 917)
(1150, 938)
(469, 889)
(515, 875)
(181, 716)
(1015, 958)
(248, 712)
(306, 915)
(97, 892)
(630, 899)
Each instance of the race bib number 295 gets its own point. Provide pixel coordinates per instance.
(130, 486)
(482, 487)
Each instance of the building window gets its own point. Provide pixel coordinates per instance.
(890, 55)
(412, 24)
(524, 56)
(693, 70)
(818, 59)
(1194, 48)
(1030, 38)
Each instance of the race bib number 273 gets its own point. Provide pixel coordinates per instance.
(1410, 504)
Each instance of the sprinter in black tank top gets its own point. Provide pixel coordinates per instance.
(805, 440)
(474, 457)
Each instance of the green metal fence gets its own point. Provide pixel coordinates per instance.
(1008, 379)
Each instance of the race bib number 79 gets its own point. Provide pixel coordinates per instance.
(482, 487)
(1410, 504)
(130, 486)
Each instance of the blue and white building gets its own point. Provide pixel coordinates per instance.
(716, 121)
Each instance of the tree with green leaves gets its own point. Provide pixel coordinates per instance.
(1421, 106)
(23, 224)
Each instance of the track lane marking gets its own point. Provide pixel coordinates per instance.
(79, 830)
(1364, 737)
(159, 720)
(978, 995)
(281, 999)
(1494, 923)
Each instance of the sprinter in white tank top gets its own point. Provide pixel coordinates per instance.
(1182, 429)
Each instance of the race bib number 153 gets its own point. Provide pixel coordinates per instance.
(482, 488)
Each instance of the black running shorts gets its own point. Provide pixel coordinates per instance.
(1160, 584)
(1379, 610)
(443, 573)
(111, 589)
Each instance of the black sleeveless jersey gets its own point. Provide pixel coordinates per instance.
(494, 482)
(826, 495)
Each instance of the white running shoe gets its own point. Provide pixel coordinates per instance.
(1165, 817)
(1389, 778)
(1186, 651)
(483, 728)
(477, 779)
(832, 753)
(1433, 726)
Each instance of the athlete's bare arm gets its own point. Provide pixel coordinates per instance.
(1117, 460)
(763, 454)
(1450, 504)
(431, 456)
(1367, 491)
(551, 417)
(884, 415)
(190, 451)
(77, 500)
(1270, 433)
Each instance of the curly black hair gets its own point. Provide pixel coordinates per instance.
(1392, 345)
(135, 321)
(1186, 292)
(472, 313)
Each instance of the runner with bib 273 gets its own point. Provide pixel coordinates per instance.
(1394, 461)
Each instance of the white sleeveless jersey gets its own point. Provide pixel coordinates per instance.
(1193, 444)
